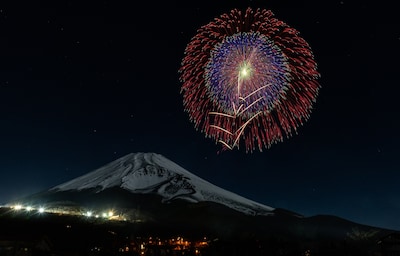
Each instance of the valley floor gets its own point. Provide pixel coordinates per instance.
(27, 234)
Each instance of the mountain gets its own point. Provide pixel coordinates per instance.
(150, 195)
(150, 173)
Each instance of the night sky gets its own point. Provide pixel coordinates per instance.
(83, 83)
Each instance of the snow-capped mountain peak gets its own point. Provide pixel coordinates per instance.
(153, 173)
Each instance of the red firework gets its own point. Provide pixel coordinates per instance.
(248, 79)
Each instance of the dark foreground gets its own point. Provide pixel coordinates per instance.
(23, 233)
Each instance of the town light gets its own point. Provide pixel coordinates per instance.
(41, 210)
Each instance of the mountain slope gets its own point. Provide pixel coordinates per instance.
(150, 173)
(153, 195)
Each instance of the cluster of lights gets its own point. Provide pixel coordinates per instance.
(20, 207)
(178, 243)
(108, 214)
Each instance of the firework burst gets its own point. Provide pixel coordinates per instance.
(248, 79)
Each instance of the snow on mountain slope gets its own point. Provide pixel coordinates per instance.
(153, 173)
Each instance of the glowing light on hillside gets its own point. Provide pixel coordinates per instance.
(110, 214)
(18, 207)
(29, 208)
(89, 214)
(41, 210)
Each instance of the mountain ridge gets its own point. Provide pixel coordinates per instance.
(148, 194)
(153, 173)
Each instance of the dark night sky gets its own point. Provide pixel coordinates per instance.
(83, 83)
